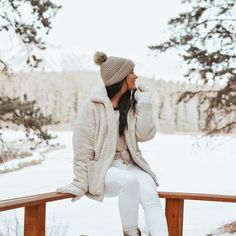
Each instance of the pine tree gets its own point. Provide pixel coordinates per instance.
(205, 38)
(14, 21)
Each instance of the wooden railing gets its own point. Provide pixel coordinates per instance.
(35, 209)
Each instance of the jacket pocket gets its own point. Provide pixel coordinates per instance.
(94, 185)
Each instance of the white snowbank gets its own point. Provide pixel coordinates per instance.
(182, 163)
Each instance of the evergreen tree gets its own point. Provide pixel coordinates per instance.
(28, 20)
(205, 38)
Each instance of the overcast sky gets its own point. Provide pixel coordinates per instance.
(123, 28)
(119, 28)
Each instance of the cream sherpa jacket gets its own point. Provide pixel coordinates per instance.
(95, 139)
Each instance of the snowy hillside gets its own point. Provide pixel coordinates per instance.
(55, 59)
(61, 94)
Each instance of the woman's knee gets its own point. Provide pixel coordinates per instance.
(150, 198)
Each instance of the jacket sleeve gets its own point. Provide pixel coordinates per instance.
(145, 128)
(83, 148)
(83, 145)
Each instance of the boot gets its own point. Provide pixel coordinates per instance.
(139, 233)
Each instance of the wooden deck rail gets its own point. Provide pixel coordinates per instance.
(35, 209)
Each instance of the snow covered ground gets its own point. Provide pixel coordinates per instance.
(183, 163)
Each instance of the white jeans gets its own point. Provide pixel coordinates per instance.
(133, 186)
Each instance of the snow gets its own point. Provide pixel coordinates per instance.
(18, 163)
(183, 163)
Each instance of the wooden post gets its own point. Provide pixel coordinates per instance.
(34, 224)
(174, 216)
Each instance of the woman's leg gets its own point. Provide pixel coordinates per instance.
(149, 199)
(124, 184)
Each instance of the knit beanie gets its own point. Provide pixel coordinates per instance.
(113, 69)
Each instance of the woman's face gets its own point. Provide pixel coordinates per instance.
(130, 79)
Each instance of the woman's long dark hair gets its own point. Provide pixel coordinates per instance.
(126, 102)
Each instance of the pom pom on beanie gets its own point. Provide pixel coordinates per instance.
(99, 58)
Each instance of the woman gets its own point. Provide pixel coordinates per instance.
(107, 158)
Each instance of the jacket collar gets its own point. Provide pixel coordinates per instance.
(99, 95)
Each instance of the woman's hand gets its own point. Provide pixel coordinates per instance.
(70, 188)
(143, 94)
